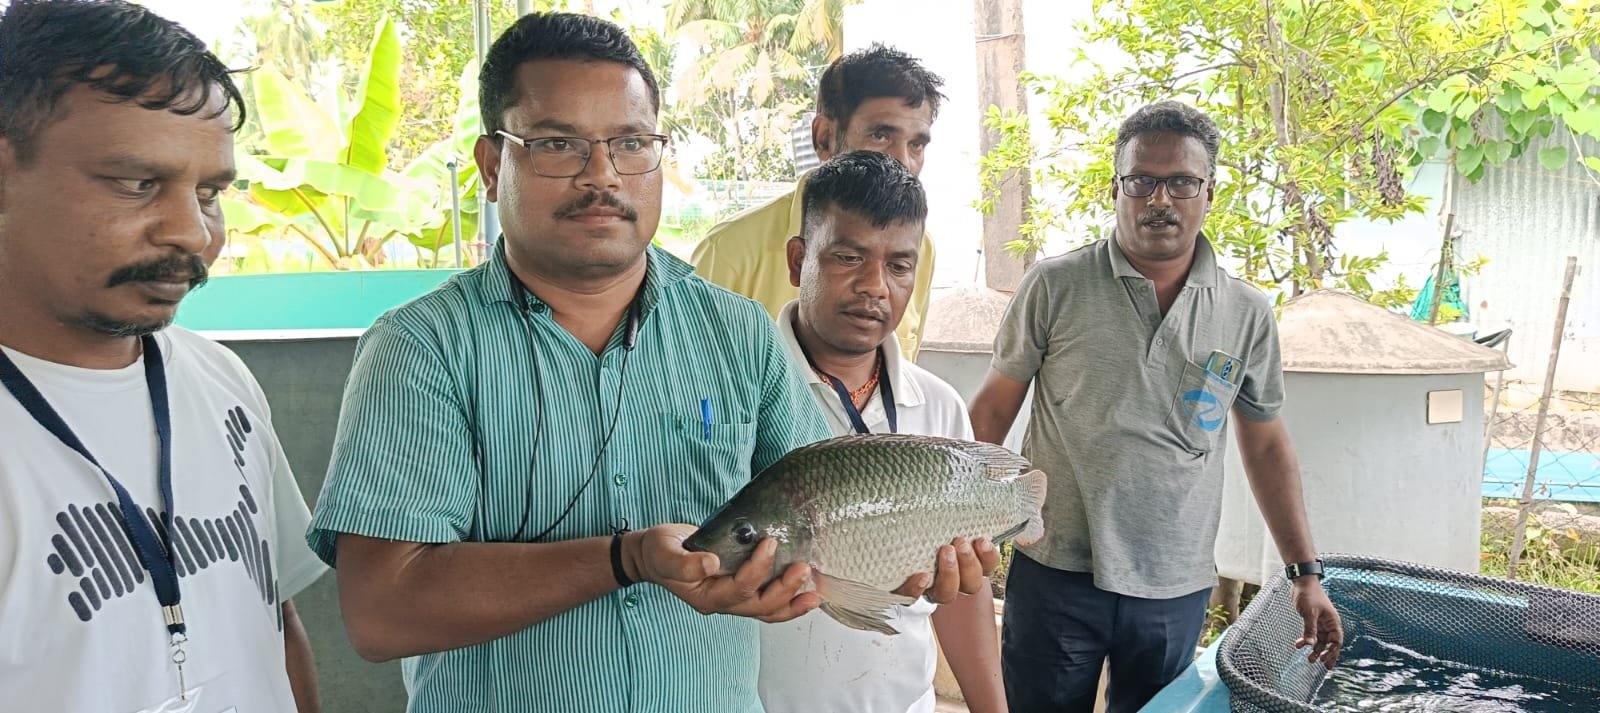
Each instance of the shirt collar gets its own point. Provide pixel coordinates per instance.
(907, 392)
(797, 207)
(496, 283)
(1203, 273)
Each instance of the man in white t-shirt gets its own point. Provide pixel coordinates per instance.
(855, 264)
(151, 533)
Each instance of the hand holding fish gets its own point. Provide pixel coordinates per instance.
(962, 568)
(657, 555)
(863, 511)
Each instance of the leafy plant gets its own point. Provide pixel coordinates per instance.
(1552, 556)
(439, 41)
(750, 77)
(1325, 106)
(325, 178)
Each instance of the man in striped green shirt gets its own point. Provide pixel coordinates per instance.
(498, 431)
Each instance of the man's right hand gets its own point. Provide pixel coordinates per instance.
(657, 555)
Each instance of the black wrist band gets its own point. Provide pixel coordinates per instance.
(616, 561)
(1303, 569)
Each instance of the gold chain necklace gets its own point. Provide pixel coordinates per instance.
(861, 396)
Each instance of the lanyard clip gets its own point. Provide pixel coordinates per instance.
(179, 655)
(173, 615)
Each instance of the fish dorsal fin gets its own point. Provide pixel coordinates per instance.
(1001, 462)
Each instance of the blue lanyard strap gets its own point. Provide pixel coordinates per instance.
(157, 560)
(850, 410)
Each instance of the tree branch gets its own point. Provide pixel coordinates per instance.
(1440, 76)
(323, 251)
(306, 200)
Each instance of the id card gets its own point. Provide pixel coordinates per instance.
(191, 702)
(1225, 366)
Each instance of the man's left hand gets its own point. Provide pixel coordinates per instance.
(1323, 631)
(961, 569)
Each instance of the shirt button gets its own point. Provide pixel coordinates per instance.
(630, 601)
(621, 479)
(538, 308)
(1161, 342)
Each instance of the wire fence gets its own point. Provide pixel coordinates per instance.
(1562, 532)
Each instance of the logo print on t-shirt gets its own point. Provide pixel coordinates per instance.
(93, 546)
(1204, 409)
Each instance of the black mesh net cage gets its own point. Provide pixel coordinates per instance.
(1497, 626)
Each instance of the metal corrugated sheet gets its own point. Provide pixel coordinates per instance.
(1527, 219)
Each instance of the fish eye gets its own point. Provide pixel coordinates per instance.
(743, 532)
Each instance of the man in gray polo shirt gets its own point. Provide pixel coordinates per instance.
(1138, 348)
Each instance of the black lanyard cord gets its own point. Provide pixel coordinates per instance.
(157, 558)
(850, 410)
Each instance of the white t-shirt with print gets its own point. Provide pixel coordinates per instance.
(80, 626)
(814, 663)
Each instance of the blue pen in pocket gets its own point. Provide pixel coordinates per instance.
(705, 416)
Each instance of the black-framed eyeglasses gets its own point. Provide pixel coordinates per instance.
(568, 156)
(1179, 187)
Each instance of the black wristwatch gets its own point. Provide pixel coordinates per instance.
(1302, 569)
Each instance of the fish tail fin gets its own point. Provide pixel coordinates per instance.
(1031, 488)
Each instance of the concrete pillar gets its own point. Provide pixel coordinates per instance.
(1001, 58)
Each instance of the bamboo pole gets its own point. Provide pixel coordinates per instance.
(1519, 534)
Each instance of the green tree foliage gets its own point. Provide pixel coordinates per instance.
(439, 41)
(324, 176)
(751, 77)
(1326, 107)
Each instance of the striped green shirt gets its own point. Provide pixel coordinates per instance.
(449, 419)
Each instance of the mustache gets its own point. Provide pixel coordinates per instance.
(876, 310)
(172, 268)
(593, 198)
(1159, 214)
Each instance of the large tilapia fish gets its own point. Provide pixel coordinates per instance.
(868, 511)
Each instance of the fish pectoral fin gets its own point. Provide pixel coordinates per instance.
(857, 605)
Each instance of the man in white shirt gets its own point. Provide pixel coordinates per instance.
(151, 533)
(855, 263)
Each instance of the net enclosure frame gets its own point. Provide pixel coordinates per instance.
(1496, 625)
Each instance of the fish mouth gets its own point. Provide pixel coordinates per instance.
(693, 544)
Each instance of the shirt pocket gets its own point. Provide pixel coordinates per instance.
(713, 465)
(1200, 408)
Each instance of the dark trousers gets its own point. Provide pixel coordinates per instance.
(1060, 629)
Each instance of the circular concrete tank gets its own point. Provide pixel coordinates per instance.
(1387, 417)
(959, 344)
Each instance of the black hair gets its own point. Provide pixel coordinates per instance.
(556, 35)
(111, 46)
(877, 71)
(1170, 117)
(868, 183)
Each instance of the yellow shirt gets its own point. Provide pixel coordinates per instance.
(748, 255)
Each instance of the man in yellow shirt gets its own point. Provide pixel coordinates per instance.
(877, 99)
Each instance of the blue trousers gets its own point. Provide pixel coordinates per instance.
(1060, 629)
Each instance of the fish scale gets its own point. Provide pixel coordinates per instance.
(925, 496)
(872, 510)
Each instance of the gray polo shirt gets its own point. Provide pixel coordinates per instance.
(1127, 421)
